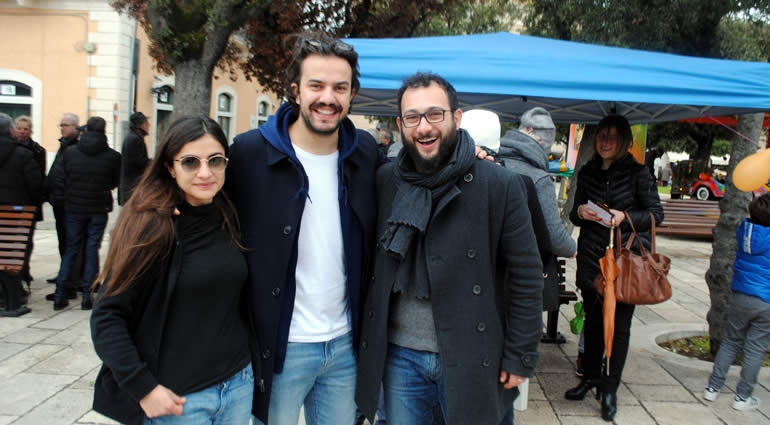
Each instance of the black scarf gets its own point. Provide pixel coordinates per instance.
(412, 209)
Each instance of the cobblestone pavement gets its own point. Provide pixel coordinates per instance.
(48, 366)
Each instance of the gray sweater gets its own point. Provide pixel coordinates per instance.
(526, 156)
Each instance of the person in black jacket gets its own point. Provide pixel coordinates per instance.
(55, 193)
(21, 182)
(615, 178)
(135, 157)
(91, 169)
(170, 322)
(23, 136)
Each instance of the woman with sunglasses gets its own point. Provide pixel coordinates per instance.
(169, 323)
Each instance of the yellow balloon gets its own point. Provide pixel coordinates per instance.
(753, 171)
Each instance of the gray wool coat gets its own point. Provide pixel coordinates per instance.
(486, 294)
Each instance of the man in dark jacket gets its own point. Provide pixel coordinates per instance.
(69, 136)
(24, 137)
(453, 316)
(21, 182)
(91, 169)
(134, 156)
(303, 184)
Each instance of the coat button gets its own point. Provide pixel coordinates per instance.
(266, 354)
(476, 289)
(471, 253)
(468, 177)
(485, 362)
(364, 345)
(370, 314)
(287, 230)
(276, 292)
(481, 327)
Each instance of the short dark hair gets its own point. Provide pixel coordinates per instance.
(625, 136)
(759, 209)
(318, 43)
(424, 79)
(96, 124)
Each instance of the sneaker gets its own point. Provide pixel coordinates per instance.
(750, 403)
(710, 394)
(579, 365)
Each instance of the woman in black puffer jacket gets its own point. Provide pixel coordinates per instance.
(612, 177)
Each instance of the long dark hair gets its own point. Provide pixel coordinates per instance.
(144, 231)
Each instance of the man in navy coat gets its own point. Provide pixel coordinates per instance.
(304, 187)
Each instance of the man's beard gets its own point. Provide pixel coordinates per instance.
(309, 123)
(445, 150)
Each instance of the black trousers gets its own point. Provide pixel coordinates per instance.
(594, 341)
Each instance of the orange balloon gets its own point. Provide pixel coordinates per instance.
(753, 171)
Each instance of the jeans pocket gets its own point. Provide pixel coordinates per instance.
(248, 374)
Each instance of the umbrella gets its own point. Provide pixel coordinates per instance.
(610, 272)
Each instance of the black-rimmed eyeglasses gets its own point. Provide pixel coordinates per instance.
(192, 164)
(413, 119)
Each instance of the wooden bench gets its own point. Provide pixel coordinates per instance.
(16, 230)
(689, 217)
(552, 335)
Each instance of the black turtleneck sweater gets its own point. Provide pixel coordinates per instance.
(206, 338)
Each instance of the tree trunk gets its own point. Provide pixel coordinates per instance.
(584, 155)
(704, 147)
(192, 88)
(733, 208)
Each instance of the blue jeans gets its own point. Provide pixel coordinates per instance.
(414, 388)
(79, 226)
(748, 328)
(228, 403)
(322, 377)
(413, 385)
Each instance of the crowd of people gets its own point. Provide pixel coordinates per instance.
(301, 267)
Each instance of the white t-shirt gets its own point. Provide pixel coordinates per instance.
(319, 304)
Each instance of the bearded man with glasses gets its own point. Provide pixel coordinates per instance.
(453, 316)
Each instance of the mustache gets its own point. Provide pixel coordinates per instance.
(337, 108)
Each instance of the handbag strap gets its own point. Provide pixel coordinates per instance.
(635, 236)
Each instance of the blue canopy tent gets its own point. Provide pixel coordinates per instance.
(577, 82)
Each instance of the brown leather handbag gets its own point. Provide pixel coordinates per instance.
(641, 279)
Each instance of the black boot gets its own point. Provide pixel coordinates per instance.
(87, 303)
(60, 304)
(579, 392)
(609, 406)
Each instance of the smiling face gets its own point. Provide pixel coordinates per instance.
(429, 145)
(607, 143)
(199, 186)
(324, 93)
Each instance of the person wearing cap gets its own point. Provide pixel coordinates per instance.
(525, 151)
(135, 157)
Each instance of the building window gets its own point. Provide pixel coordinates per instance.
(263, 111)
(15, 98)
(225, 113)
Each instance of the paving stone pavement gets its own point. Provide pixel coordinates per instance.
(48, 365)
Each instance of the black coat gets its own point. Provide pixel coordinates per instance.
(134, 162)
(21, 182)
(91, 171)
(42, 161)
(263, 184)
(486, 294)
(127, 332)
(55, 183)
(626, 186)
